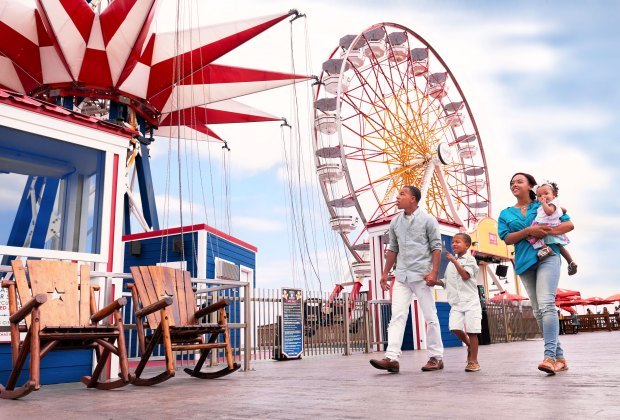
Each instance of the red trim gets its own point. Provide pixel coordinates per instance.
(45, 108)
(113, 215)
(187, 229)
(111, 321)
(417, 325)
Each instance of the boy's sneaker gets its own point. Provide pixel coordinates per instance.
(472, 367)
(544, 252)
(572, 268)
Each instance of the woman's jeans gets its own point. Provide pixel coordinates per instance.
(541, 282)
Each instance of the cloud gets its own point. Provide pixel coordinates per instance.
(11, 190)
(257, 224)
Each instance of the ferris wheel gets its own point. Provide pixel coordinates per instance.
(388, 113)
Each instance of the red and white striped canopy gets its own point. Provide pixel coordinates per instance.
(63, 47)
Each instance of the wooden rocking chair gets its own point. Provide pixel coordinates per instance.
(164, 301)
(60, 314)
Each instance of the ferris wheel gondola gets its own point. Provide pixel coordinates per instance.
(389, 113)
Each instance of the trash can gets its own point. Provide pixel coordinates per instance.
(485, 336)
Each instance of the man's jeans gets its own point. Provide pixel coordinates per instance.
(541, 282)
(401, 300)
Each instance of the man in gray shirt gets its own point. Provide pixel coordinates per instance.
(415, 238)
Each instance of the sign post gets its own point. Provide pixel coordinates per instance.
(292, 332)
(5, 336)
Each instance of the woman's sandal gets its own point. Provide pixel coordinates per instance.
(572, 268)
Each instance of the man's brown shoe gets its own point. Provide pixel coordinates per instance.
(547, 366)
(390, 365)
(433, 364)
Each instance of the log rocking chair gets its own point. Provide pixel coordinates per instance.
(164, 301)
(60, 313)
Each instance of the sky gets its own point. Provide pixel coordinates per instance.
(539, 77)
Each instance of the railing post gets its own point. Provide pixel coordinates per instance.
(367, 327)
(249, 326)
(347, 325)
(505, 321)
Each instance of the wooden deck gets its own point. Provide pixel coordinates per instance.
(509, 386)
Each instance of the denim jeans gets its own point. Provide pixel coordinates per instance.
(541, 282)
(401, 300)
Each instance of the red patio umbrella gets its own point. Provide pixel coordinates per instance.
(565, 293)
(569, 309)
(598, 301)
(572, 302)
(614, 298)
(504, 296)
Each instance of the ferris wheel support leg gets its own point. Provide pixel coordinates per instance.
(426, 180)
(446, 191)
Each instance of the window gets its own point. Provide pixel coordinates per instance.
(50, 193)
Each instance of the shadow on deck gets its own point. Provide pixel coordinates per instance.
(509, 386)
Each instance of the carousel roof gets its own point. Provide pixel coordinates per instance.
(51, 48)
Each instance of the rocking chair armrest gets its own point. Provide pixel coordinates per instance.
(107, 311)
(25, 310)
(160, 304)
(130, 286)
(7, 283)
(222, 303)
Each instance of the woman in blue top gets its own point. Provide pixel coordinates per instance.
(540, 278)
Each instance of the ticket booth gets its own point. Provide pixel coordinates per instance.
(62, 178)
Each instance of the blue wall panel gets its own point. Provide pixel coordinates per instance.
(443, 313)
(155, 250)
(57, 367)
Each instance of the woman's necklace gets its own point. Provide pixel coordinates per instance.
(523, 207)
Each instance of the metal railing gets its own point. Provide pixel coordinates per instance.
(331, 326)
(509, 322)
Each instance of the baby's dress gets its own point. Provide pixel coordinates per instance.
(549, 220)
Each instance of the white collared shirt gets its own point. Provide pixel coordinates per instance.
(462, 293)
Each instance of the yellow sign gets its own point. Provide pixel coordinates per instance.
(486, 241)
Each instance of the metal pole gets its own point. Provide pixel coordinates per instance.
(247, 304)
(505, 320)
(367, 326)
(347, 324)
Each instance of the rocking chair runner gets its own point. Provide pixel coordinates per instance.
(60, 314)
(169, 305)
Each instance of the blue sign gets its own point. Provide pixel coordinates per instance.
(292, 323)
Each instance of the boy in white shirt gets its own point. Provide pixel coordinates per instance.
(465, 309)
